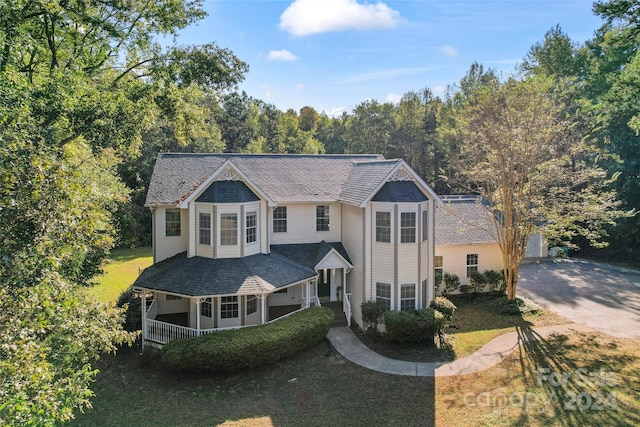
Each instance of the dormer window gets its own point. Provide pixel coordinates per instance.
(172, 222)
(322, 218)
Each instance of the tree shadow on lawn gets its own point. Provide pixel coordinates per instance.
(570, 386)
(315, 387)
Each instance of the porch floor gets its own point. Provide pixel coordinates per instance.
(281, 310)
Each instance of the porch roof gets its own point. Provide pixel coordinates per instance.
(310, 254)
(199, 276)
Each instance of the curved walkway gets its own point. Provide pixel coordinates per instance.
(492, 353)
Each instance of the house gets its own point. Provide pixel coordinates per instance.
(465, 241)
(244, 239)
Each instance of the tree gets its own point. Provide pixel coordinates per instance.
(520, 155)
(81, 84)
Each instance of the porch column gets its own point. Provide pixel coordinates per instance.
(344, 283)
(198, 304)
(263, 309)
(144, 315)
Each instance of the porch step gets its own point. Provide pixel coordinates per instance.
(336, 307)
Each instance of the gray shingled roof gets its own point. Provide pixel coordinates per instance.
(364, 178)
(463, 220)
(284, 178)
(309, 254)
(199, 276)
(399, 191)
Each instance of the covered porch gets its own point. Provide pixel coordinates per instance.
(188, 297)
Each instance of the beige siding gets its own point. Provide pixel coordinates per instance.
(292, 297)
(455, 258)
(168, 306)
(301, 225)
(353, 241)
(166, 247)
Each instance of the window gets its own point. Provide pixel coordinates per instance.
(229, 307)
(407, 297)
(408, 227)
(206, 309)
(383, 294)
(228, 229)
(425, 225)
(472, 264)
(280, 219)
(282, 291)
(252, 304)
(172, 222)
(322, 218)
(205, 228)
(438, 268)
(251, 232)
(383, 227)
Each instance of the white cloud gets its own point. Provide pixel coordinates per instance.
(267, 93)
(336, 111)
(393, 98)
(385, 74)
(439, 90)
(300, 86)
(306, 17)
(281, 55)
(450, 51)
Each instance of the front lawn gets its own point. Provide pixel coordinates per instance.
(318, 387)
(474, 324)
(120, 271)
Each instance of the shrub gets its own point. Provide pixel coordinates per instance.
(133, 315)
(451, 282)
(478, 281)
(413, 326)
(464, 289)
(372, 312)
(517, 307)
(246, 348)
(444, 306)
(495, 280)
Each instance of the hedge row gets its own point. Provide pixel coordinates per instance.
(414, 326)
(236, 350)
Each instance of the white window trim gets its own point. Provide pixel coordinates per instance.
(391, 296)
(179, 221)
(220, 307)
(328, 215)
(210, 229)
(256, 228)
(415, 227)
(286, 220)
(476, 265)
(415, 295)
(219, 219)
(375, 226)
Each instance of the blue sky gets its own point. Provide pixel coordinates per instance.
(334, 54)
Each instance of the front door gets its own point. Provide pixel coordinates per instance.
(324, 283)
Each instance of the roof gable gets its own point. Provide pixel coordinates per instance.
(399, 191)
(227, 192)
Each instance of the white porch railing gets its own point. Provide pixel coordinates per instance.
(346, 307)
(162, 332)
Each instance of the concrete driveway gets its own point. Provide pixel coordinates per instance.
(599, 295)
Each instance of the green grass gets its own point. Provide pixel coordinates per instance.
(120, 271)
(474, 324)
(318, 387)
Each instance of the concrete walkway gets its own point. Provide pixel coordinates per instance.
(492, 353)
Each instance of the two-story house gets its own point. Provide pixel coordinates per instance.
(242, 239)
